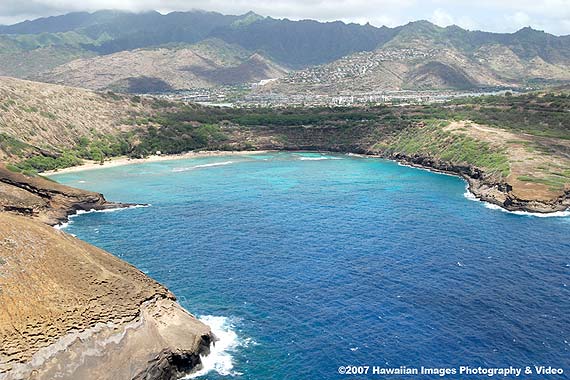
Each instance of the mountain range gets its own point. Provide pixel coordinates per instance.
(152, 52)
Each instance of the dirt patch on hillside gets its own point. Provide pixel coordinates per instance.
(539, 166)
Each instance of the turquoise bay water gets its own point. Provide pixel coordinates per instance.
(306, 262)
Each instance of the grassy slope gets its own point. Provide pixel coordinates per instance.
(30, 54)
(457, 146)
(539, 114)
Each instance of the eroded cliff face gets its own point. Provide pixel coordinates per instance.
(72, 311)
(491, 189)
(69, 310)
(46, 200)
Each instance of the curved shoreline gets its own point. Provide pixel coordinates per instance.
(469, 191)
(496, 194)
(373, 165)
(123, 161)
(48, 201)
(489, 192)
(472, 196)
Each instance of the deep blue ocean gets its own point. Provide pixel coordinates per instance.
(304, 262)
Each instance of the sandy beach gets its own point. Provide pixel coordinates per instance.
(121, 161)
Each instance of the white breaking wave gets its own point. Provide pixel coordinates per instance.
(80, 212)
(63, 226)
(434, 171)
(319, 158)
(220, 358)
(359, 155)
(469, 195)
(559, 214)
(202, 166)
(214, 164)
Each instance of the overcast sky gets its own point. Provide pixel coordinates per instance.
(552, 16)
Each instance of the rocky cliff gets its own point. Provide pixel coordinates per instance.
(69, 310)
(491, 189)
(46, 200)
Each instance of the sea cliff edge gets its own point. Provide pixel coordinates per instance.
(69, 310)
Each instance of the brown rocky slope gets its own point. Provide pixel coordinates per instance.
(69, 310)
(165, 69)
(53, 117)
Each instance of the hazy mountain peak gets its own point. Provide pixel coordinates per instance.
(422, 30)
(527, 30)
(422, 24)
(455, 28)
(252, 14)
(247, 19)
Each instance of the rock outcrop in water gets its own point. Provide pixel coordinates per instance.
(46, 200)
(486, 188)
(69, 310)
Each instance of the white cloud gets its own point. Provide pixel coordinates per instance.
(442, 18)
(519, 19)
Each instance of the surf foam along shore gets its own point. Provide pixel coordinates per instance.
(201, 166)
(45, 200)
(486, 188)
(220, 358)
(66, 224)
(472, 197)
(559, 214)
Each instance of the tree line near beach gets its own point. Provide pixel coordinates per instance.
(178, 128)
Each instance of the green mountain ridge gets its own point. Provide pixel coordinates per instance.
(423, 56)
(469, 59)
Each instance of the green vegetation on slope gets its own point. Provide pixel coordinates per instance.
(168, 139)
(178, 138)
(43, 163)
(177, 128)
(97, 150)
(554, 180)
(540, 115)
(433, 141)
(274, 116)
(12, 145)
